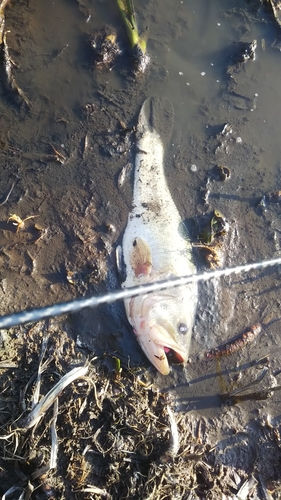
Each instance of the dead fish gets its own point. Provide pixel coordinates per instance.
(156, 246)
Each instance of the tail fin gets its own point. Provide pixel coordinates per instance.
(156, 114)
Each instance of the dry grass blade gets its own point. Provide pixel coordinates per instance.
(7, 364)
(12, 490)
(246, 488)
(41, 369)
(113, 434)
(54, 436)
(54, 447)
(97, 491)
(39, 410)
(28, 491)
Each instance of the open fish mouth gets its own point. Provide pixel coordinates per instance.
(161, 350)
(174, 357)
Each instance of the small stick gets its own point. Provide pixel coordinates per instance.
(85, 148)
(256, 396)
(9, 192)
(60, 158)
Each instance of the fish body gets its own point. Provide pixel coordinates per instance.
(156, 246)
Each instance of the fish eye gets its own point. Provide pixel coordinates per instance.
(182, 328)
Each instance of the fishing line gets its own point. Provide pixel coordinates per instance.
(76, 305)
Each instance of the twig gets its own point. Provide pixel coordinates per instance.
(256, 396)
(9, 192)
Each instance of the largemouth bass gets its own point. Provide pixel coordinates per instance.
(156, 246)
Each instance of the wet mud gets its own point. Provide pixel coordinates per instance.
(66, 176)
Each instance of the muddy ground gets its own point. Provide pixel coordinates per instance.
(62, 151)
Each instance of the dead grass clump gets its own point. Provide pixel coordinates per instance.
(72, 430)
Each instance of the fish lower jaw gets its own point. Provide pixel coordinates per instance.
(161, 356)
(160, 360)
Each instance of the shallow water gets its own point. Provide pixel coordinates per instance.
(191, 46)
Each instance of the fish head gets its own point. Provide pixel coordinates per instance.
(163, 326)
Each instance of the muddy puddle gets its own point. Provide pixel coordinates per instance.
(61, 154)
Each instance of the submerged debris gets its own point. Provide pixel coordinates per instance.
(216, 226)
(276, 8)
(213, 254)
(274, 197)
(221, 173)
(117, 145)
(244, 52)
(210, 237)
(249, 52)
(140, 58)
(105, 48)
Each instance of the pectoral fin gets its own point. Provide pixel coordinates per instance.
(141, 258)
